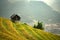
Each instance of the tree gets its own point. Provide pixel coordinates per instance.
(39, 25)
(35, 26)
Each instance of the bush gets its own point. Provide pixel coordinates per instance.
(39, 25)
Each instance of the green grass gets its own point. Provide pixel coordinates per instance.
(19, 31)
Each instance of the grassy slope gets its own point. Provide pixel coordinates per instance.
(19, 31)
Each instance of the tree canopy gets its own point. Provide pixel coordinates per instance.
(39, 25)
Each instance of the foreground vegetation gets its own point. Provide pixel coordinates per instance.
(19, 31)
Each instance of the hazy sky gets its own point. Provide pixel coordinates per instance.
(31, 11)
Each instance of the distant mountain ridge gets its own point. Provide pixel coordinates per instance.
(37, 9)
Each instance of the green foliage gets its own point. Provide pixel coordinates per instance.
(39, 25)
(35, 26)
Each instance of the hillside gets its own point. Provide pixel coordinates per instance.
(19, 31)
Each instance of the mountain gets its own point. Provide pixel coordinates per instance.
(29, 11)
(22, 31)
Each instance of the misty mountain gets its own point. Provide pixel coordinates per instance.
(29, 11)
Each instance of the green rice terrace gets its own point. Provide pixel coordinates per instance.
(20, 31)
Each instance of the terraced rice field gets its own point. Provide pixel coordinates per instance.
(19, 31)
